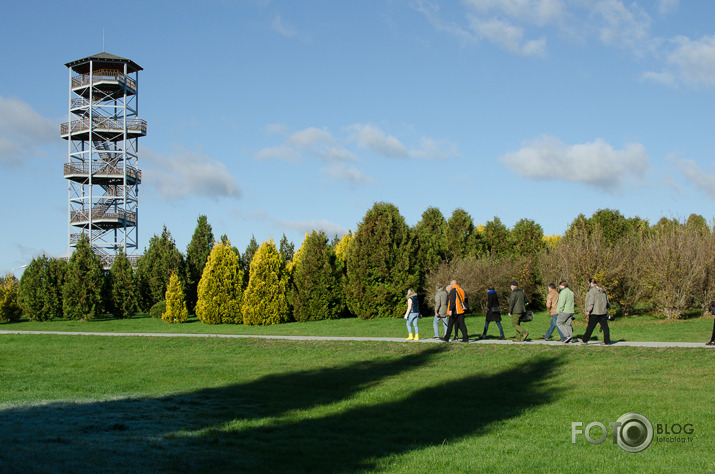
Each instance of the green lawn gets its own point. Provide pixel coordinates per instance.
(641, 328)
(81, 404)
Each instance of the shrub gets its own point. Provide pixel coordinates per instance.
(155, 267)
(9, 307)
(40, 294)
(381, 264)
(176, 311)
(316, 291)
(264, 301)
(123, 287)
(220, 291)
(158, 309)
(83, 283)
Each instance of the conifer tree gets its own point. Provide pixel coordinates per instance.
(497, 238)
(123, 287)
(246, 258)
(83, 283)
(381, 264)
(9, 307)
(176, 311)
(430, 235)
(528, 237)
(286, 250)
(265, 301)
(316, 291)
(155, 267)
(40, 294)
(220, 291)
(197, 253)
(459, 230)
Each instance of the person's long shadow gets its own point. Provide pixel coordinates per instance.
(270, 424)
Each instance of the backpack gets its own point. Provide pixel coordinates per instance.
(464, 302)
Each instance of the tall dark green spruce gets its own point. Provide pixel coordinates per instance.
(497, 238)
(286, 249)
(459, 239)
(155, 267)
(40, 295)
(246, 258)
(123, 287)
(83, 283)
(197, 253)
(381, 264)
(316, 291)
(431, 241)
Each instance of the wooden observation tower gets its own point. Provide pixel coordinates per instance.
(102, 133)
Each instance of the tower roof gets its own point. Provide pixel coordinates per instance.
(82, 65)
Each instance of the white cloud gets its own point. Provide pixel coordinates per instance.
(280, 152)
(699, 179)
(311, 137)
(596, 163)
(667, 6)
(340, 172)
(329, 228)
(278, 26)
(665, 78)
(188, 173)
(508, 36)
(24, 133)
(695, 60)
(372, 138)
(539, 12)
(622, 26)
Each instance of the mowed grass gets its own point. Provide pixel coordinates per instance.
(640, 328)
(81, 404)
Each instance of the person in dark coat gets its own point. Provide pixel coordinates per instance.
(493, 313)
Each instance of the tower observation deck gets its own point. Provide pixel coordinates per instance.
(102, 133)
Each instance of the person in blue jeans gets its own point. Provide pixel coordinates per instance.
(552, 302)
(412, 315)
(440, 310)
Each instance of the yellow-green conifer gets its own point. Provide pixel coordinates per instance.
(265, 301)
(220, 290)
(176, 311)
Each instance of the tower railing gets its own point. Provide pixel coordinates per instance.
(103, 123)
(102, 75)
(101, 169)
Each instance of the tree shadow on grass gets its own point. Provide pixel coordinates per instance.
(311, 420)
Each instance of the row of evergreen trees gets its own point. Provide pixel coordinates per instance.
(365, 274)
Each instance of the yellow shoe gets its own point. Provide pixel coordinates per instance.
(409, 338)
(417, 337)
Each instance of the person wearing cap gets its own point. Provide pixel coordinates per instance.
(517, 308)
(596, 308)
(412, 315)
(566, 311)
(440, 310)
(455, 310)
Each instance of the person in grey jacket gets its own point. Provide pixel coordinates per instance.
(596, 308)
(440, 311)
(565, 308)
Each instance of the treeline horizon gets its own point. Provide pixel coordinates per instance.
(666, 268)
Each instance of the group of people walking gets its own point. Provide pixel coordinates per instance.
(451, 306)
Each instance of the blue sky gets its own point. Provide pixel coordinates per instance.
(275, 117)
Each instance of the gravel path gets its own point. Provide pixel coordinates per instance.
(383, 339)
